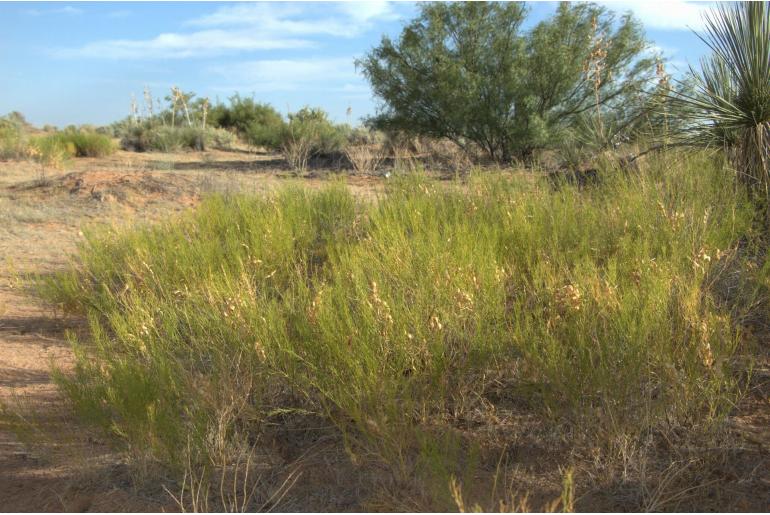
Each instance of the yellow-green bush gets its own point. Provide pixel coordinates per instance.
(398, 320)
(74, 143)
(13, 139)
(144, 137)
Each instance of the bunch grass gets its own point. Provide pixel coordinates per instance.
(400, 320)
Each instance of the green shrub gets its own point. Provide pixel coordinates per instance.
(52, 150)
(134, 138)
(310, 133)
(143, 138)
(402, 320)
(470, 71)
(55, 147)
(170, 139)
(221, 138)
(77, 143)
(265, 134)
(256, 123)
(314, 125)
(91, 144)
(13, 139)
(730, 107)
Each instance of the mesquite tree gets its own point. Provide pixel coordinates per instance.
(467, 71)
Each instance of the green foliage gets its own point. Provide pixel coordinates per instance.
(72, 142)
(730, 106)
(310, 133)
(366, 136)
(145, 137)
(52, 150)
(13, 137)
(88, 143)
(399, 321)
(256, 123)
(466, 71)
(313, 124)
(220, 138)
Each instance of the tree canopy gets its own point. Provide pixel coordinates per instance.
(468, 71)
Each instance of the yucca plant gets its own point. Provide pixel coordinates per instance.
(730, 105)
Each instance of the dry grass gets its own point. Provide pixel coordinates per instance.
(365, 158)
(297, 153)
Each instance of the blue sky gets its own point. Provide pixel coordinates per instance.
(76, 62)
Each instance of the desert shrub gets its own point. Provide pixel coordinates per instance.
(191, 138)
(90, 144)
(409, 322)
(366, 136)
(448, 155)
(170, 139)
(730, 104)
(257, 124)
(365, 149)
(309, 133)
(13, 139)
(18, 119)
(164, 138)
(221, 138)
(52, 150)
(134, 138)
(314, 124)
(296, 149)
(266, 133)
(469, 71)
(76, 143)
(364, 158)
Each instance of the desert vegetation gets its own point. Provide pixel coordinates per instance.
(419, 326)
(573, 318)
(19, 140)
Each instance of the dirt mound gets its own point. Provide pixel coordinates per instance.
(135, 188)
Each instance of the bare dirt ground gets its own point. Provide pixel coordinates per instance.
(50, 462)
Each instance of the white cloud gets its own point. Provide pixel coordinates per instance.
(369, 11)
(246, 27)
(287, 74)
(346, 19)
(67, 9)
(667, 15)
(175, 46)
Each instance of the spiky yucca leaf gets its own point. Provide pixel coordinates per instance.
(731, 103)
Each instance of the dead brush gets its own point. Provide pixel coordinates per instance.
(296, 150)
(730, 280)
(231, 472)
(365, 158)
(448, 155)
(403, 158)
(240, 487)
(512, 502)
